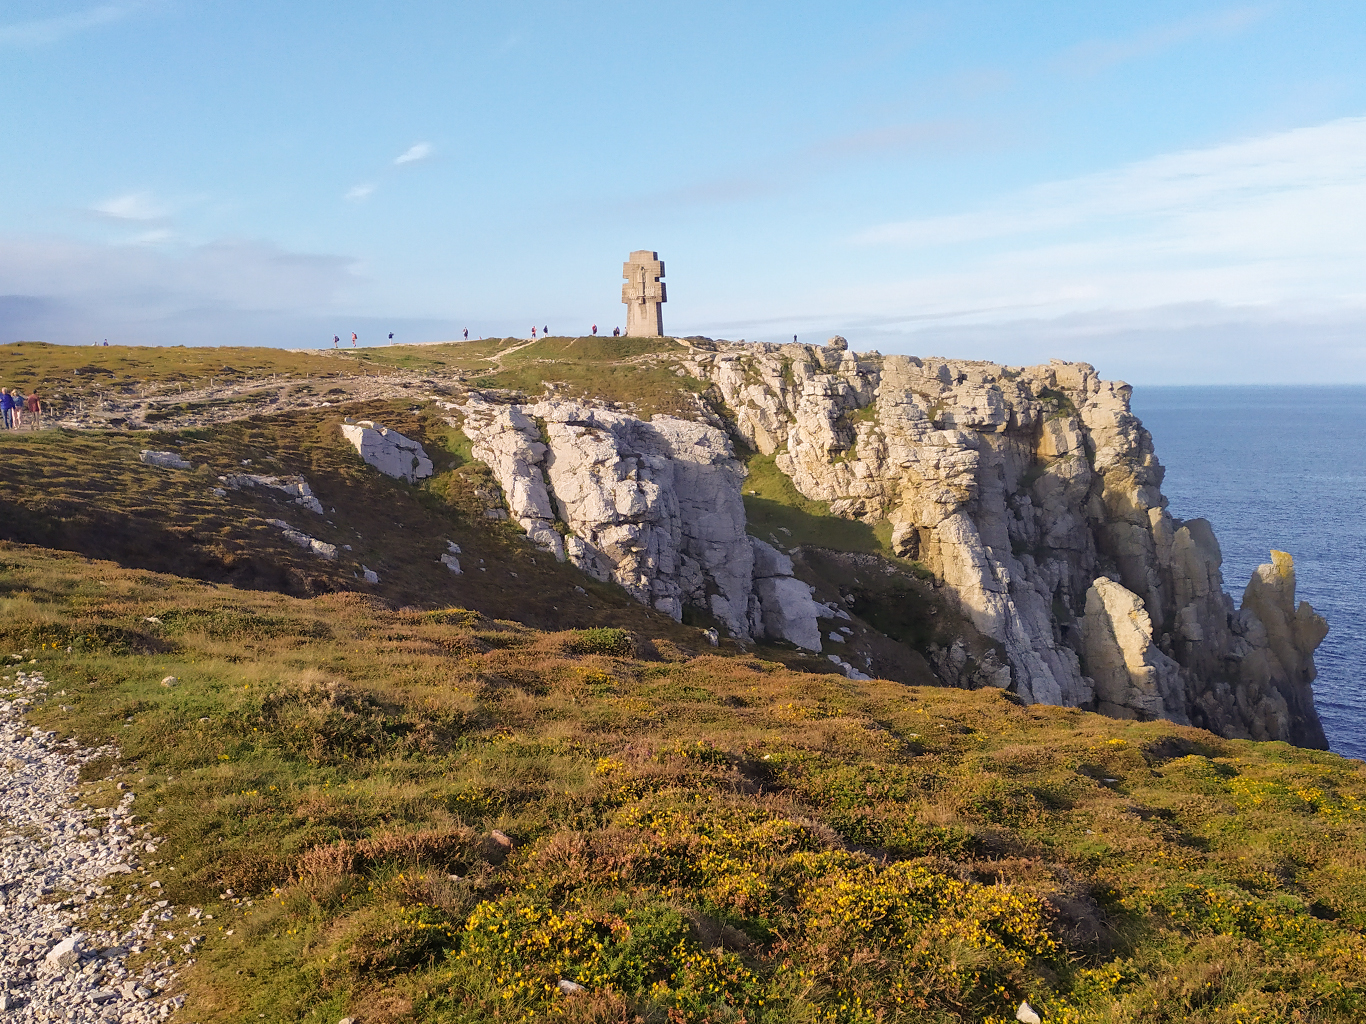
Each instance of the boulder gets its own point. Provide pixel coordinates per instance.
(388, 451)
(294, 487)
(320, 548)
(165, 460)
(1133, 678)
(784, 608)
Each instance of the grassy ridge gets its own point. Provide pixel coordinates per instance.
(693, 838)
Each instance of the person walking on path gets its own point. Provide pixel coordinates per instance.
(533, 334)
(7, 408)
(353, 339)
(595, 329)
(17, 397)
(467, 334)
(391, 336)
(335, 341)
(545, 332)
(35, 411)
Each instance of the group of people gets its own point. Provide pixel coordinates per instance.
(14, 404)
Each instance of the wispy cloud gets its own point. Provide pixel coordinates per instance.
(132, 206)
(1279, 219)
(359, 193)
(42, 31)
(413, 154)
(1097, 55)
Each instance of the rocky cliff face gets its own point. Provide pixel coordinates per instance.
(654, 506)
(1032, 493)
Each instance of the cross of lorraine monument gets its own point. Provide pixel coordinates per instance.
(643, 293)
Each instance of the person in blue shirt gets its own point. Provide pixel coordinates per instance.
(7, 408)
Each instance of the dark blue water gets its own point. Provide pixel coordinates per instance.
(1281, 467)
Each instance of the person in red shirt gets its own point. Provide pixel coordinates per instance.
(595, 328)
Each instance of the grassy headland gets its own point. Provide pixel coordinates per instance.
(693, 837)
(436, 797)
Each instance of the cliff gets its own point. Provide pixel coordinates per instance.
(1032, 494)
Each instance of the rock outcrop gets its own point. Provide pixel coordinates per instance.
(654, 506)
(782, 607)
(163, 460)
(1034, 494)
(293, 487)
(319, 547)
(388, 451)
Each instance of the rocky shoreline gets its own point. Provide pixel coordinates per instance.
(72, 946)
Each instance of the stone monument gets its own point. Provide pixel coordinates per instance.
(643, 293)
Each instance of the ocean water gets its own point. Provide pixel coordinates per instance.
(1281, 467)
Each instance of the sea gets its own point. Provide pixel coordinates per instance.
(1280, 467)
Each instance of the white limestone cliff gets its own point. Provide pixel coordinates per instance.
(654, 506)
(1034, 494)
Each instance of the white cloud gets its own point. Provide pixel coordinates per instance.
(413, 154)
(50, 30)
(1275, 220)
(134, 206)
(359, 192)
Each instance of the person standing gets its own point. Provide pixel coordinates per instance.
(391, 337)
(467, 334)
(7, 408)
(545, 332)
(595, 329)
(353, 339)
(336, 340)
(616, 332)
(533, 334)
(35, 411)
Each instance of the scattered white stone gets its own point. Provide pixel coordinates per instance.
(296, 487)
(836, 637)
(570, 988)
(169, 681)
(58, 961)
(713, 637)
(166, 460)
(388, 451)
(453, 547)
(849, 671)
(1026, 1014)
(369, 575)
(320, 548)
(452, 563)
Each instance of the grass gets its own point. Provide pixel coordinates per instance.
(693, 838)
(776, 510)
(63, 371)
(88, 492)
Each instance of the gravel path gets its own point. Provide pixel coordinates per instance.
(64, 940)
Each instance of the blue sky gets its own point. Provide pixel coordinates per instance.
(1173, 191)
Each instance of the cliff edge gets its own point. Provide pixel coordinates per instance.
(1032, 494)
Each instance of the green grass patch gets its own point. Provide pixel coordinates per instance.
(708, 838)
(775, 508)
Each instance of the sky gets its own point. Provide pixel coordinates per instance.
(1172, 191)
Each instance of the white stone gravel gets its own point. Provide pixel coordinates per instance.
(60, 959)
